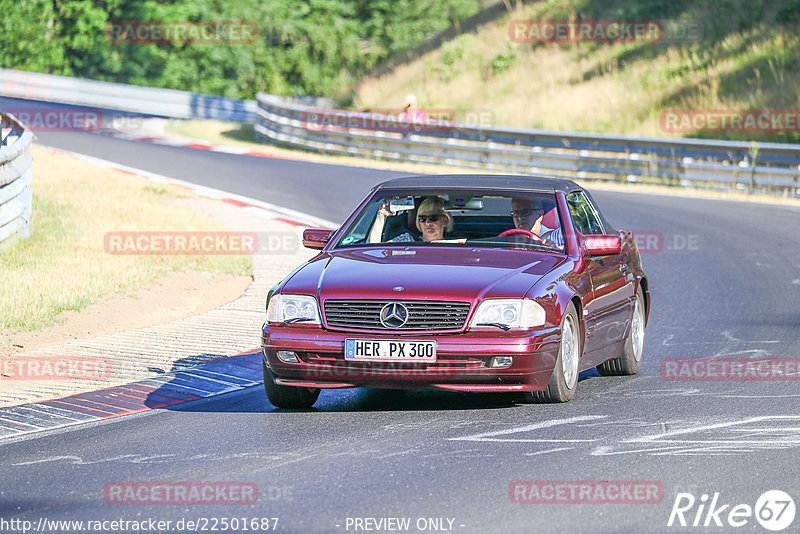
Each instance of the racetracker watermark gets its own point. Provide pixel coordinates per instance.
(180, 243)
(730, 120)
(63, 119)
(54, 368)
(366, 370)
(201, 243)
(180, 493)
(398, 120)
(654, 242)
(586, 492)
(586, 31)
(604, 31)
(388, 120)
(726, 369)
(181, 32)
(774, 510)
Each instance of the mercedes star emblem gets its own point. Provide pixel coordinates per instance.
(394, 315)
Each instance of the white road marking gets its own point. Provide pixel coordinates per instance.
(726, 396)
(715, 426)
(74, 459)
(548, 451)
(680, 442)
(493, 436)
(285, 462)
(77, 460)
(160, 458)
(727, 335)
(667, 342)
(739, 436)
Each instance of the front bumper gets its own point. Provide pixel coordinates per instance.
(462, 360)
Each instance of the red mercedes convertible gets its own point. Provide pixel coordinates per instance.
(465, 283)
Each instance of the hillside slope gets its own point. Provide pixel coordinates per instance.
(743, 55)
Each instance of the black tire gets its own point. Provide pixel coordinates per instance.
(290, 397)
(631, 360)
(561, 387)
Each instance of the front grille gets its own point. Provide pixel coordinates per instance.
(422, 314)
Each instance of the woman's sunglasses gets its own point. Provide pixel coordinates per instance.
(425, 218)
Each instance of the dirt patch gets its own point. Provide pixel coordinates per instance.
(173, 296)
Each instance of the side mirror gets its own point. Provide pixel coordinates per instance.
(316, 238)
(602, 245)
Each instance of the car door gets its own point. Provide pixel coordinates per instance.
(607, 309)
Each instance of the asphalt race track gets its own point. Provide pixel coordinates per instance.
(321, 189)
(725, 283)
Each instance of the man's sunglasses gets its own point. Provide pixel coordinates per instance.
(425, 218)
(522, 212)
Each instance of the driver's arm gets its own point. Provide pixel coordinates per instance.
(376, 232)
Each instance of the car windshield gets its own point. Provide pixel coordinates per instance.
(496, 219)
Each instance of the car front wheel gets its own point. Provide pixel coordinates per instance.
(564, 380)
(290, 397)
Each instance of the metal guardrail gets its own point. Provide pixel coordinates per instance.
(291, 122)
(152, 101)
(737, 164)
(16, 198)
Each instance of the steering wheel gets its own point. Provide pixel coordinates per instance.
(522, 231)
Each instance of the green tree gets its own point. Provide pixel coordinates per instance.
(28, 37)
(304, 47)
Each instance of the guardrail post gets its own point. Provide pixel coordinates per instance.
(753, 164)
(796, 191)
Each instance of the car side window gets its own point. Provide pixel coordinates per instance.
(584, 215)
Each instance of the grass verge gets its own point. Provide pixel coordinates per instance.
(63, 265)
(735, 55)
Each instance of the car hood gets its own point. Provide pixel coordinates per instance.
(422, 273)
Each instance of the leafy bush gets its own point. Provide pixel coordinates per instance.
(304, 47)
(450, 62)
(504, 61)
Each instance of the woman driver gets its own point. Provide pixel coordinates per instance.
(432, 221)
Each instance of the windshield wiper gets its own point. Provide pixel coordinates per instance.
(296, 320)
(501, 326)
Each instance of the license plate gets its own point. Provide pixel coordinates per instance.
(382, 350)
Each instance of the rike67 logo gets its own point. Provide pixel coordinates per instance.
(774, 510)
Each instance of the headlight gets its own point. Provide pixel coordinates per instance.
(517, 314)
(293, 308)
